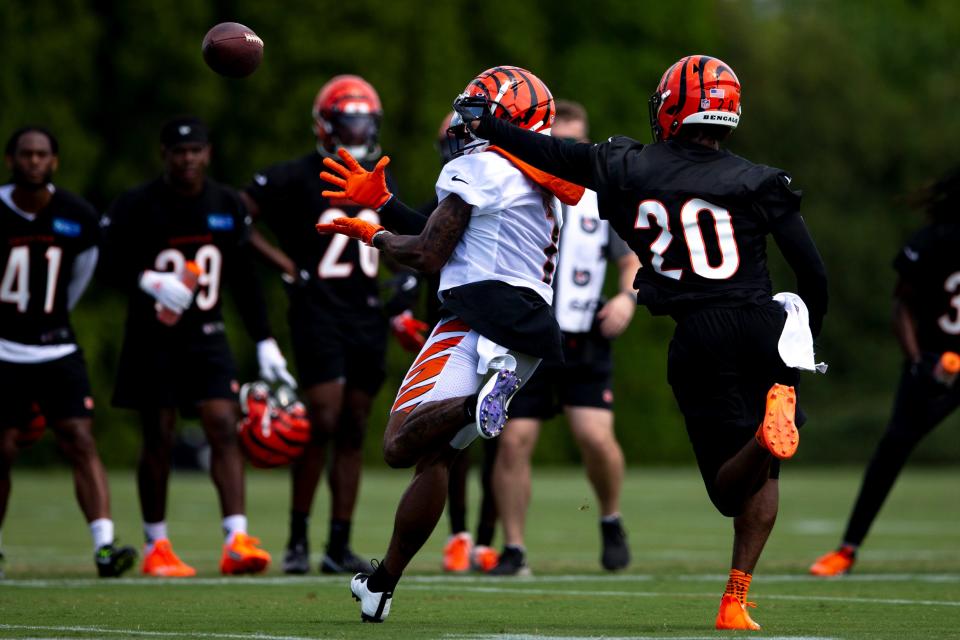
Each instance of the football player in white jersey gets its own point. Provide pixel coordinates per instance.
(493, 238)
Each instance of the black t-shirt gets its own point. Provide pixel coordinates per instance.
(341, 271)
(930, 264)
(153, 227)
(37, 259)
(697, 218)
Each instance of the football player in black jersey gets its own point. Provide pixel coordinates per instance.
(338, 328)
(49, 244)
(926, 321)
(698, 217)
(175, 353)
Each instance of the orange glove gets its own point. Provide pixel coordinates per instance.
(408, 331)
(366, 188)
(352, 227)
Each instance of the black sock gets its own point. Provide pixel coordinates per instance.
(470, 408)
(382, 581)
(339, 538)
(485, 534)
(298, 525)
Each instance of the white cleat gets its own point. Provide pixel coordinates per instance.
(374, 605)
(493, 399)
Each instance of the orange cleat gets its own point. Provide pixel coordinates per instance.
(162, 562)
(778, 434)
(483, 558)
(242, 555)
(835, 563)
(733, 615)
(456, 553)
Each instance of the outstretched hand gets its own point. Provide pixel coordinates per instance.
(352, 227)
(366, 188)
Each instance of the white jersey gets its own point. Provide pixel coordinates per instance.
(514, 226)
(584, 249)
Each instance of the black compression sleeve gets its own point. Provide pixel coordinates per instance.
(401, 219)
(794, 241)
(570, 161)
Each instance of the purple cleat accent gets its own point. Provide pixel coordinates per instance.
(493, 403)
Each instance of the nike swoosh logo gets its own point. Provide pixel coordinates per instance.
(459, 179)
(912, 255)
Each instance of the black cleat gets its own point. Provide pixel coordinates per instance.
(346, 562)
(616, 552)
(112, 561)
(296, 557)
(513, 562)
(374, 605)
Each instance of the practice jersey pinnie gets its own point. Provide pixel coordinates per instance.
(42, 257)
(342, 271)
(152, 227)
(697, 218)
(514, 226)
(930, 265)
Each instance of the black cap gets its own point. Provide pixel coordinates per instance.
(184, 129)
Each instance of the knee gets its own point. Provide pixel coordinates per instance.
(75, 438)
(221, 432)
(323, 422)
(728, 505)
(396, 455)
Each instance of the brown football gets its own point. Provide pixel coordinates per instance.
(232, 49)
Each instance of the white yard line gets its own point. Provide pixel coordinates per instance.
(150, 634)
(43, 583)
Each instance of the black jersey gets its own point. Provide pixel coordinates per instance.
(37, 259)
(697, 218)
(930, 265)
(153, 227)
(342, 271)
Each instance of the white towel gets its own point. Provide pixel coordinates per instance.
(796, 341)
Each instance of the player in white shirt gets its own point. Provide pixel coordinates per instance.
(493, 237)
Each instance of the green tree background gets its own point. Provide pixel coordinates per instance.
(856, 99)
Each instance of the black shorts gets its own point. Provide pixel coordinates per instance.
(60, 389)
(161, 374)
(721, 363)
(583, 379)
(330, 346)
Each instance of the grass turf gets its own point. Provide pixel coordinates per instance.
(906, 585)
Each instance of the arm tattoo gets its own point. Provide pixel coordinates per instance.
(429, 251)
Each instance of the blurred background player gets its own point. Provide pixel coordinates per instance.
(337, 325)
(49, 242)
(462, 552)
(926, 321)
(698, 217)
(152, 233)
(581, 385)
(493, 238)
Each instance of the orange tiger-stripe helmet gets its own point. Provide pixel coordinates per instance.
(517, 96)
(696, 89)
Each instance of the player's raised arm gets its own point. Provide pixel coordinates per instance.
(572, 161)
(797, 247)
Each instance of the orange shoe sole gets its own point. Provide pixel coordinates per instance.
(778, 434)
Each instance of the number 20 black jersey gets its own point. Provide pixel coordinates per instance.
(342, 271)
(696, 217)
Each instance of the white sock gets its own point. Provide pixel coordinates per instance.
(154, 531)
(101, 530)
(236, 523)
(613, 517)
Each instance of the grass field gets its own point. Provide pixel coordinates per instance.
(907, 583)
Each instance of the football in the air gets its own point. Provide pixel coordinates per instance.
(232, 49)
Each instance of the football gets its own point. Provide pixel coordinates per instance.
(232, 50)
